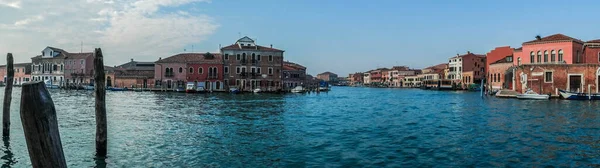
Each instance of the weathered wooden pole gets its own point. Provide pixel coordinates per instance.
(101, 128)
(10, 74)
(38, 117)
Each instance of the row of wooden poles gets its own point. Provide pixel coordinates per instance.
(38, 117)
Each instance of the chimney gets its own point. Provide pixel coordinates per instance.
(468, 52)
(457, 54)
(271, 45)
(159, 58)
(132, 60)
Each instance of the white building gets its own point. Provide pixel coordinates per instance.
(367, 78)
(455, 68)
(49, 66)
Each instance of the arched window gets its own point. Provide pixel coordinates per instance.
(539, 56)
(560, 55)
(531, 57)
(545, 56)
(552, 56)
(243, 56)
(519, 61)
(180, 70)
(253, 56)
(200, 70)
(166, 70)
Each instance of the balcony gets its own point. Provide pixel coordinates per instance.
(169, 75)
(254, 61)
(253, 75)
(243, 74)
(243, 61)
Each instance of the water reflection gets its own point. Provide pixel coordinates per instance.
(8, 158)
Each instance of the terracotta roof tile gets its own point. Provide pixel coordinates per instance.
(192, 58)
(293, 66)
(503, 60)
(555, 37)
(78, 55)
(594, 41)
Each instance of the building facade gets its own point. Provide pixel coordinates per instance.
(133, 74)
(248, 66)
(553, 49)
(548, 78)
(500, 75)
(79, 69)
(328, 77)
(49, 67)
(204, 70)
(293, 75)
(22, 73)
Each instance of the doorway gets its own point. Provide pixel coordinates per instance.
(575, 83)
(145, 83)
(108, 81)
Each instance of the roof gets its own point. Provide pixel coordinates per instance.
(78, 55)
(594, 41)
(57, 49)
(193, 58)
(518, 49)
(18, 65)
(135, 65)
(503, 60)
(438, 66)
(245, 39)
(468, 54)
(257, 47)
(554, 37)
(327, 73)
(293, 66)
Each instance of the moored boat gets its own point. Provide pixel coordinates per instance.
(88, 87)
(117, 89)
(530, 94)
(234, 90)
(323, 86)
(578, 96)
(298, 89)
(190, 88)
(257, 90)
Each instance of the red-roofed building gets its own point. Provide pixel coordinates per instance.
(204, 70)
(248, 66)
(496, 54)
(293, 75)
(591, 51)
(467, 69)
(79, 69)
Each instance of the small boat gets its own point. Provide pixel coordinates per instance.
(49, 85)
(190, 88)
(234, 90)
(578, 96)
(88, 87)
(530, 94)
(180, 89)
(298, 89)
(257, 90)
(117, 89)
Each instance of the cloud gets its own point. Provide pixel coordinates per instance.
(141, 29)
(12, 4)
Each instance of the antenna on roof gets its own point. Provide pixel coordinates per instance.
(81, 47)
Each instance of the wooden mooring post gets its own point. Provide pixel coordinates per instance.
(40, 126)
(100, 85)
(10, 74)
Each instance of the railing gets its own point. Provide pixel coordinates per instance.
(169, 75)
(254, 61)
(244, 61)
(253, 75)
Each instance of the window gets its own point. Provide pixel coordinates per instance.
(598, 56)
(226, 70)
(560, 55)
(253, 56)
(270, 58)
(539, 56)
(270, 71)
(215, 71)
(519, 61)
(548, 77)
(258, 57)
(226, 57)
(243, 69)
(180, 70)
(200, 70)
(237, 70)
(552, 56)
(243, 56)
(258, 69)
(191, 70)
(81, 62)
(237, 57)
(531, 56)
(545, 56)
(578, 60)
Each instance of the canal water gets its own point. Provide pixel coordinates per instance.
(347, 127)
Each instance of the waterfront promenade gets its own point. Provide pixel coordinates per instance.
(346, 127)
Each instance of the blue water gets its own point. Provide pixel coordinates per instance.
(347, 127)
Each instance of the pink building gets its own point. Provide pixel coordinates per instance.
(553, 49)
(79, 68)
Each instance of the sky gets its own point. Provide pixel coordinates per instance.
(341, 36)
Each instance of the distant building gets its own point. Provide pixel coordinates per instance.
(203, 69)
(466, 69)
(367, 78)
(79, 69)
(293, 75)
(499, 76)
(328, 77)
(411, 81)
(22, 73)
(49, 66)
(553, 49)
(248, 66)
(132, 74)
(356, 78)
